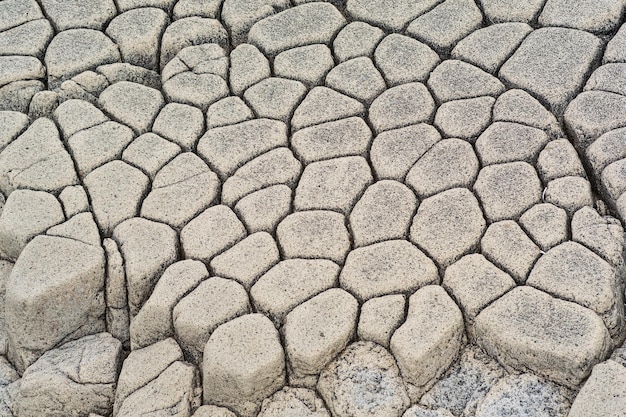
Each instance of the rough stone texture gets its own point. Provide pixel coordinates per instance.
(455, 80)
(81, 227)
(511, 10)
(180, 123)
(322, 105)
(592, 16)
(133, 104)
(464, 118)
(346, 384)
(603, 235)
(240, 15)
(391, 16)
(380, 317)
(559, 159)
(356, 39)
(150, 153)
(358, 78)
(228, 111)
(264, 209)
(603, 394)
(190, 31)
(508, 142)
(307, 64)
(275, 98)
(546, 224)
(294, 402)
(400, 106)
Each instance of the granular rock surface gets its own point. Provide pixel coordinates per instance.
(294, 208)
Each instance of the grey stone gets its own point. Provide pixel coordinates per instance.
(75, 378)
(609, 77)
(364, 381)
(520, 107)
(290, 283)
(205, 58)
(275, 98)
(334, 184)
(419, 411)
(498, 11)
(150, 153)
(592, 16)
(298, 26)
(148, 248)
(593, 113)
(446, 24)
(133, 104)
(17, 68)
(603, 235)
(73, 116)
(116, 190)
(466, 118)
(200, 90)
(125, 5)
(229, 147)
(332, 314)
(74, 200)
(188, 32)
(212, 303)
(383, 212)
(115, 280)
(81, 227)
(228, 111)
(43, 104)
(264, 209)
(437, 231)
(402, 59)
(455, 80)
(380, 317)
(79, 14)
(527, 329)
(63, 278)
(212, 410)
(604, 393)
(615, 51)
(307, 64)
(508, 190)
(450, 163)
(90, 81)
(18, 95)
(358, 78)
(241, 15)
(506, 245)
(202, 8)
(356, 39)
(488, 48)
(401, 106)
(552, 63)
(214, 230)
(13, 124)
(314, 234)
(390, 16)
(546, 224)
(322, 105)
(15, 12)
(294, 402)
(569, 193)
(180, 191)
(127, 72)
(243, 364)
(559, 159)
(76, 50)
(248, 67)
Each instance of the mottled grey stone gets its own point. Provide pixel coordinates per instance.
(18, 95)
(227, 111)
(392, 16)
(43, 104)
(12, 125)
(240, 15)
(570, 193)
(275, 98)
(132, 104)
(15, 12)
(31, 38)
(358, 78)
(202, 8)
(307, 64)
(454, 80)
(300, 402)
(602, 234)
(604, 393)
(380, 317)
(498, 11)
(188, 32)
(616, 48)
(248, 66)
(322, 105)
(127, 72)
(125, 5)
(262, 210)
(180, 123)
(402, 59)
(356, 39)
(150, 153)
(520, 107)
(74, 200)
(81, 227)
(401, 106)
(559, 159)
(17, 68)
(200, 90)
(592, 16)
(464, 118)
(509, 142)
(546, 224)
(609, 77)
(75, 115)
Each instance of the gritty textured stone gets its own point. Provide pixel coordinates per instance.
(609, 77)
(16, 12)
(391, 16)
(546, 224)
(455, 80)
(569, 193)
(190, 31)
(498, 11)
(81, 227)
(200, 90)
(275, 98)
(604, 392)
(307, 64)
(322, 105)
(402, 59)
(358, 78)
(240, 15)
(150, 152)
(16, 68)
(602, 234)
(227, 111)
(400, 106)
(508, 142)
(74, 200)
(592, 16)
(248, 67)
(559, 159)
(356, 39)
(264, 209)
(13, 124)
(289, 401)
(520, 107)
(380, 317)
(132, 104)
(464, 118)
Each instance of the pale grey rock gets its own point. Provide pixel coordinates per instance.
(559, 159)
(498, 11)
(609, 77)
(228, 111)
(206, 58)
(380, 317)
(508, 190)
(527, 329)
(390, 16)
(74, 200)
(446, 24)
(275, 98)
(91, 82)
(115, 190)
(18, 95)
(76, 50)
(73, 116)
(240, 15)
(115, 279)
(450, 163)
(264, 209)
(466, 118)
(212, 410)
(76, 378)
(383, 212)
(592, 16)
(118, 323)
(248, 67)
(401, 106)
(356, 39)
(290, 283)
(148, 249)
(606, 152)
(133, 104)
(429, 340)
(188, 32)
(488, 48)
(520, 107)
(322, 105)
(125, 5)
(593, 113)
(358, 78)
(63, 278)
(390, 267)
(97, 145)
(228, 148)
(13, 124)
(402, 59)
(243, 364)
(552, 63)
(298, 26)
(364, 381)
(307, 64)
(394, 152)
(574, 273)
(17, 68)
(570, 193)
(81, 227)
(525, 394)
(603, 235)
(15, 12)
(334, 184)
(150, 153)
(180, 191)
(546, 224)
(127, 72)
(277, 166)
(474, 283)
(43, 104)
(506, 245)
(200, 90)
(332, 313)
(437, 231)
(25, 215)
(615, 51)
(455, 80)
(314, 234)
(247, 260)
(420, 411)
(346, 137)
(294, 402)
(79, 14)
(604, 393)
(36, 160)
(154, 322)
(202, 8)
(214, 230)
(212, 303)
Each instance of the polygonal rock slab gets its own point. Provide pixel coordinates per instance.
(391, 16)
(400, 106)
(264, 209)
(604, 393)
(546, 224)
(356, 39)
(380, 317)
(508, 142)
(402, 59)
(357, 78)
(296, 402)
(307, 64)
(132, 104)
(322, 105)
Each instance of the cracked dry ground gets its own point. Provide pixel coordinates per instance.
(274, 208)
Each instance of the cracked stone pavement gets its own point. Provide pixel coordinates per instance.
(286, 208)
